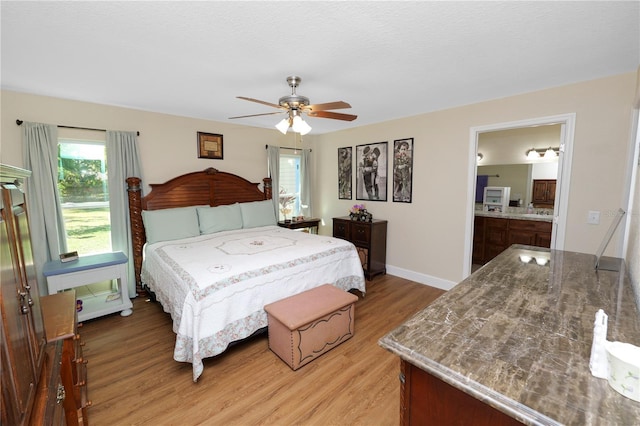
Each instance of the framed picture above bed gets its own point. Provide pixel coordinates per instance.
(345, 173)
(371, 177)
(209, 145)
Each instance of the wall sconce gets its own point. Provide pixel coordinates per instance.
(548, 153)
(480, 157)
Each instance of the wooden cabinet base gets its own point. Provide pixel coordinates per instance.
(427, 400)
(492, 236)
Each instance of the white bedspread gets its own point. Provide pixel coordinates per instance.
(215, 286)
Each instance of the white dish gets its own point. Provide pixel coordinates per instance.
(624, 368)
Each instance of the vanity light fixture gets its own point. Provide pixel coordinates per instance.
(480, 157)
(548, 153)
(532, 154)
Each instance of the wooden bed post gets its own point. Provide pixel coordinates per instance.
(137, 228)
(267, 188)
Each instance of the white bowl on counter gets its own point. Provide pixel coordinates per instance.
(624, 368)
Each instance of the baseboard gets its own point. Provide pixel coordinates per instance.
(421, 278)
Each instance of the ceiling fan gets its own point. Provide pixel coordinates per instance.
(295, 105)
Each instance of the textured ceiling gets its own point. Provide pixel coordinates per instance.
(387, 59)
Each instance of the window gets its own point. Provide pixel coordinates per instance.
(289, 185)
(84, 195)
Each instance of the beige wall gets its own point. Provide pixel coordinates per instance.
(427, 238)
(515, 176)
(167, 143)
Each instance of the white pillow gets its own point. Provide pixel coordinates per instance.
(170, 224)
(220, 218)
(257, 213)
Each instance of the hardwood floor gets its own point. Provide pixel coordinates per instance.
(133, 379)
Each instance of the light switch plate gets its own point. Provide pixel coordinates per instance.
(593, 218)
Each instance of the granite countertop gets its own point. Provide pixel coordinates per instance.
(520, 216)
(518, 336)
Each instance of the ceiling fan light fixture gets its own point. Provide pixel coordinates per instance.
(295, 105)
(283, 126)
(300, 126)
(304, 127)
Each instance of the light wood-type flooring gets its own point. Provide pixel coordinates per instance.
(133, 379)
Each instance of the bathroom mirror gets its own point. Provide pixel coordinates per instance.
(505, 163)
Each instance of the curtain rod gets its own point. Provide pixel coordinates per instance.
(19, 122)
(286, 147)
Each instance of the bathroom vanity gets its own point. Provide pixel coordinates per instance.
(493, 232)
(511, 344)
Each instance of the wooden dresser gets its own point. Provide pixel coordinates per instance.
(370, 239)
(61, 328)
(31, 368)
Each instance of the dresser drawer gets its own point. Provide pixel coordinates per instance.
(341, 229)
(361, 234)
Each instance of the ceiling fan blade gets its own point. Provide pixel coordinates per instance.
(334, 115)
(328, 105)
(261, 102)
(256, 115)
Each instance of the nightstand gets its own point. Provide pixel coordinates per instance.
(370, 239)
(89, 270)
(312, 224)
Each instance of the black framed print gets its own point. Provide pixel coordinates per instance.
(402, 170)
(209, 145)
(345, 173)
(371, 177)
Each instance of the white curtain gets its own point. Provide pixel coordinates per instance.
(123, 161)
(306, 199)
(40, 155)
(273, 158)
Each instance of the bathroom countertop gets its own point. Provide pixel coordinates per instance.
(520, 216)
(517, 336)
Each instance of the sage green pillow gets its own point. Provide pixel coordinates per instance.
(257, 213)
(220, 218)
(170, 224)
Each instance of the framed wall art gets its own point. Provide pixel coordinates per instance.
(371, 177)
(210, 145)
(345, 173)
(402, 170)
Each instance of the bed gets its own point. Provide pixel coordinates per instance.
(207, 246)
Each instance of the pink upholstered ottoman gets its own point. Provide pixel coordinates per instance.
(304, 326)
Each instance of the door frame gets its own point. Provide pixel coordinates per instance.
(567, 132)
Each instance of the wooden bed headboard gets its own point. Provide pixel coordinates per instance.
(209, 187)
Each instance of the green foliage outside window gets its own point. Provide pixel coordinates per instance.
(82, 180)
